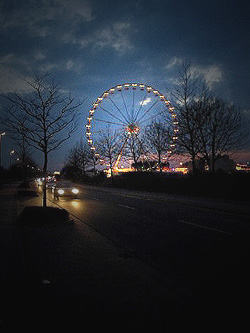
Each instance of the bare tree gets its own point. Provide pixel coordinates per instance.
(157, 137)
(208, 126)
(24, 157)
(134, 148)
(79, 158)
(84, 156)
(109, 147)
(50, 119)
(220, 129)
(16, 132)
(72, 168)
(184, 93)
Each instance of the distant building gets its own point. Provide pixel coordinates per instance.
(199, 164)
(224, 163)
(243, 167)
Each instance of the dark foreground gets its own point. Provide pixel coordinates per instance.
(65, 274)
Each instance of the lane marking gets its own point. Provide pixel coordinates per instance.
(130, 196)
(124, 206)
(204, 227)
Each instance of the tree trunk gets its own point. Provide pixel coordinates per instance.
(111, 170)
(212, 165)
(159, 162)
(45, 179)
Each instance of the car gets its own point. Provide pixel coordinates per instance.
(65, 189)
(50, 184)
(39, 181)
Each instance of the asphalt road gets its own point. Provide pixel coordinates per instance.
(132, 261)
(201, 245)
(176, 237)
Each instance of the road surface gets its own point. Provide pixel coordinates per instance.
(184, 239)
(197, 249)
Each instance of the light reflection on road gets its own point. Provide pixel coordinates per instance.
(76, 204)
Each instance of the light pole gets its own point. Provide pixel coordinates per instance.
(12, 152)
(1, 134)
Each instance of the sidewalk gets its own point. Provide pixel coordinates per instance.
(13, 276)
(69, 275)
(10, 242)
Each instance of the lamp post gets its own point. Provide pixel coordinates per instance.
(1, 134)
(12, 152)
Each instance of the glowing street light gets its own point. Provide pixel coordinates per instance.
(12, 152)
(1, 134)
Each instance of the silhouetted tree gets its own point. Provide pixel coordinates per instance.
(43, 116)
(220, 129)
(157, 138)
(109, 147)
(79, 158)
(185, 92)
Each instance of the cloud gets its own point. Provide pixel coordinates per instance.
(211, 74)
(174, 62)
(11, 80)
(80, 9)
(42, 17)
(67, 64)
(39, 55)
(115, 36)
(72, 65)
(145, 101)
(12, 62)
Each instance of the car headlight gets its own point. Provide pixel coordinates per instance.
(60, 191)
(75, 191)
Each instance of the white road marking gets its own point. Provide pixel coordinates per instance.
(204, 227)
(124, 206)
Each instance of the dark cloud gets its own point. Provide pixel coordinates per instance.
(90, 45)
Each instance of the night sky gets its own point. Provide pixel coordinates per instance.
(91, 46)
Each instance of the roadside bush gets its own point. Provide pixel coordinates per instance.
(220, 185)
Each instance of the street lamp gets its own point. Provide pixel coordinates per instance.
(12, 152)
(1, 134)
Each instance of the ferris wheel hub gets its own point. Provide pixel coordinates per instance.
(132, 129)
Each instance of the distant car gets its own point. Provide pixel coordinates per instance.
(65, 189)
(50, 184)
(39, 181)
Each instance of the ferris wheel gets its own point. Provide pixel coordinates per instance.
(127, 110)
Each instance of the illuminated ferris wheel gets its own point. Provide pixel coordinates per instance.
(127, 110)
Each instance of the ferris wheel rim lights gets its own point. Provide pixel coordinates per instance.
(134, 86)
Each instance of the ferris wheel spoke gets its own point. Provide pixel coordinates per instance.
(146, 112)
(118, 109)
(125, 105)
(105, 130)
(108, 122)
(133, 105)
(112, 115)
(123, 143)
(152, 117)
(141, 104)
